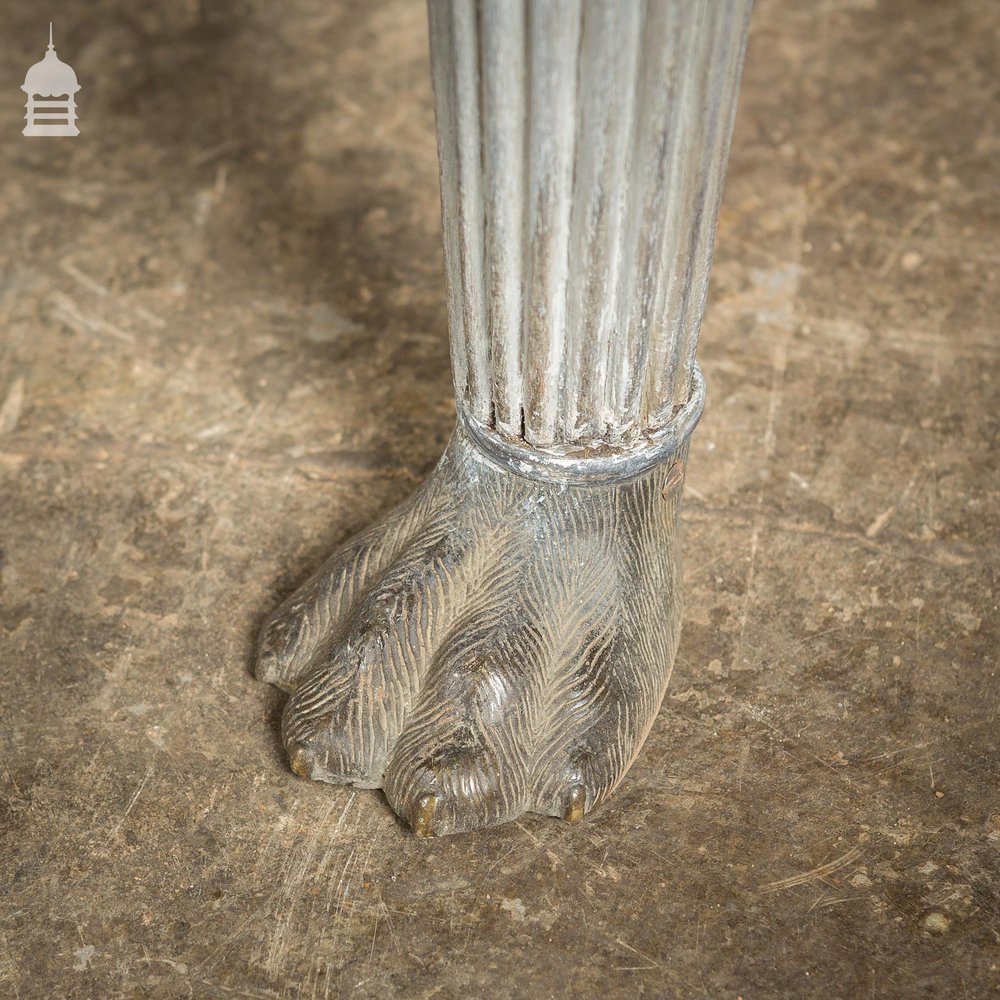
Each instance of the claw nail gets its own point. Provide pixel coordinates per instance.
(301, 760)
(423, 815)
(266, 665)
(576, 803)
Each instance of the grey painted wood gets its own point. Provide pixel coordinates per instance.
(583, 148)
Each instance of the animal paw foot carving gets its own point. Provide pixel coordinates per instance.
(498, 644)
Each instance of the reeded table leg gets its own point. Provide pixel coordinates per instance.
(502, 641)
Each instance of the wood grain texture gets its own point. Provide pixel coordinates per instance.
(583, 149)
(498, 645)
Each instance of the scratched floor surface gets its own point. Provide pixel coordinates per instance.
(224, 351)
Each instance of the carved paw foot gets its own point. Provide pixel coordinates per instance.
(495, 645)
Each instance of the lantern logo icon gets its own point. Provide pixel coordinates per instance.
(50, 78)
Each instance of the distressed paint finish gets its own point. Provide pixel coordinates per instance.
(583, 149)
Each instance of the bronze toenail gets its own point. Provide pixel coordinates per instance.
(423, 815)
(301, 760)
(576, 804)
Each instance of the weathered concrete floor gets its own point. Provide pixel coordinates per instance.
(224, 351)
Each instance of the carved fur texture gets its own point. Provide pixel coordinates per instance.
(494, 645)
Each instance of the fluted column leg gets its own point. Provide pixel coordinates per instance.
(583, 146)
(501, 642)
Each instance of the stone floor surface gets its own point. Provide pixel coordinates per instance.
(223, 351)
